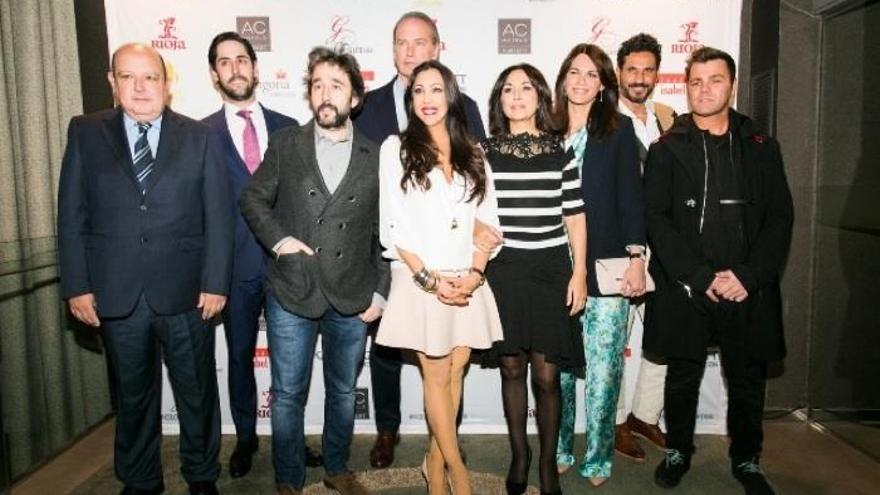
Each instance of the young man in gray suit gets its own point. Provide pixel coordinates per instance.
(314, 203)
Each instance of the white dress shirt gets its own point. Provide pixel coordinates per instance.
(421, 222)
(236, 127)
(399, 90)
(647, 132)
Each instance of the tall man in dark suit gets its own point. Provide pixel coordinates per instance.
(416, 40)
(145, 226)
(314, 203)
(719, 217)
(243, 127)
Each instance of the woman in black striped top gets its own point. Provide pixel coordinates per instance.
(539, 278)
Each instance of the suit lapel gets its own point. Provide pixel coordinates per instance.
(168, 144)
(272, 122)
(228, 144)
(392, 106)
(114, 133)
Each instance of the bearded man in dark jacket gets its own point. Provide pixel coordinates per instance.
(719, 220)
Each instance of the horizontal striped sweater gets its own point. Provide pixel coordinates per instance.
(537, 183)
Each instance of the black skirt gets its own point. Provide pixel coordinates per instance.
(530, 289)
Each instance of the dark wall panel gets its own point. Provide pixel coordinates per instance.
(846, 339)
(94, 61)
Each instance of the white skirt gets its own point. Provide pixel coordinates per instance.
(414, 319)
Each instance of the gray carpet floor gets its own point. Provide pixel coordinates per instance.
(488, 457)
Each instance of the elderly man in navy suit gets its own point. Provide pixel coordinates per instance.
(243, 127)
(383, 113)
(145, 225)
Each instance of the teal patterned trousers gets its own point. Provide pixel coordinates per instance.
(604, 327)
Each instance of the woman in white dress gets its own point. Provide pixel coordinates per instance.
(435, 189)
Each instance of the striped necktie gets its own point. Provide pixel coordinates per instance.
(143, 156)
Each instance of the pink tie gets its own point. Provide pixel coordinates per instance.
(251, 145)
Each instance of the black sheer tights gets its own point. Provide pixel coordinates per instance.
(545, 388)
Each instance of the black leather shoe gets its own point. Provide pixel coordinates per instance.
(314, 458)
(672, 468)
(203, 488)
(139, 491)
(382, 453)
(240, 461)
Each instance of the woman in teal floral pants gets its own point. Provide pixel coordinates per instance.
(605, 143)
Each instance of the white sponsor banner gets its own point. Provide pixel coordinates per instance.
(479, 39)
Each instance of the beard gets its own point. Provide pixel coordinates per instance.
(243, 94)
(334, 121)
(627, 93)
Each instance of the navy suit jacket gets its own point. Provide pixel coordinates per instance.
(250, 257)
(169, 244)
(612, 188)
(378, 118)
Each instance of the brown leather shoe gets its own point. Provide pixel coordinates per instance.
(647, 431)
(382, 453)
(285, 489)
(626, 444)
(346, 484)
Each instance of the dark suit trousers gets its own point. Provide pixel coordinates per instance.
(385, 363)
(241, 324)
(746, 382)
(137, 344)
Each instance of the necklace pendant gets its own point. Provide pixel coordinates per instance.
(454, 224)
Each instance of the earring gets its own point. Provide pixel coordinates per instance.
(600, 96)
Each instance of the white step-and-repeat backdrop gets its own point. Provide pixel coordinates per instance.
(479, 39)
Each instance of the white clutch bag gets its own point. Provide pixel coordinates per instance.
(609, 275)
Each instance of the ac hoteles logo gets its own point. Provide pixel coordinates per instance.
(688, 41)
(168, 39)
(256, 30)
(514, 36)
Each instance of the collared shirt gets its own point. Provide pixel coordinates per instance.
(333, 156)
(399, 104)
(647, 131)
(236, 126)
(133, 132)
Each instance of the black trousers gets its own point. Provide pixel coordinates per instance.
(241, 325)
(746, 383)
(385, 364)
(137, 345)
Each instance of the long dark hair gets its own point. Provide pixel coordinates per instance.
(603, 119)
(544, 121)
(418, 152)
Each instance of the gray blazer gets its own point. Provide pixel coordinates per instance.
(287, 197)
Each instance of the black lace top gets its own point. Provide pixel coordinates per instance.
(537, 183)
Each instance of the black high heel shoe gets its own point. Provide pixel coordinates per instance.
(519, 487)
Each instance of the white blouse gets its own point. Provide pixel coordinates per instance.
(437, 225)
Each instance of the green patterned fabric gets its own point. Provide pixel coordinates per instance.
(604, 331)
